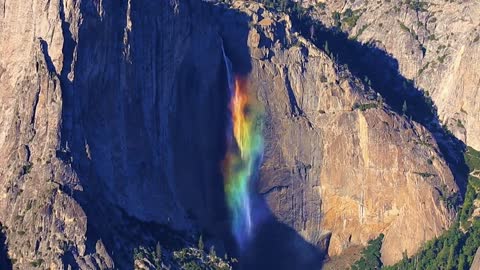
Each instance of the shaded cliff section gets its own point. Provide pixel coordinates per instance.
(4, 259)
(113, 119)
(435, 46)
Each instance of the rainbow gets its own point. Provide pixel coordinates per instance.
(242, 158)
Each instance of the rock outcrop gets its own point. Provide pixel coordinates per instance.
(436, 43)
(103, 123)
(112, 122)
(338, 163)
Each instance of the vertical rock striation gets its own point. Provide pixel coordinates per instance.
(436, 44)
(340, 167)
(112, 120)
(111, 117)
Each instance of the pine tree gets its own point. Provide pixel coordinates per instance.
(451, 257)
(312, 32)
(212, 252)
(461, 262)
(158, 255)
(404, 108)
(283, 5)
(201, 246)
(325, 47)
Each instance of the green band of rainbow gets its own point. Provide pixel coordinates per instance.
(243, 155)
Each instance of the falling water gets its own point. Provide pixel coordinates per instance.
(245, 147)
(228, 66)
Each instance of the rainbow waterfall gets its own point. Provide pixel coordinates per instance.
(244, 153)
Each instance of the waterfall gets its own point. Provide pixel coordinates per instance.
(244, 151)
(228, 67)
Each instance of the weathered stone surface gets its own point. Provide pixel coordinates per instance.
(437, 44)
(103, 126)
(331, 169)
(112, 116)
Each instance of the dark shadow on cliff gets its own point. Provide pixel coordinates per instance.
(5, 262)
(275, 245)
(380, 70)
(107, 99)
(278, 246)
(82, 125)
(234, 27)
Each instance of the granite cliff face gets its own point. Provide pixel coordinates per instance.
(337, 174)
(112, 124)
(436, 44)
(104, 126)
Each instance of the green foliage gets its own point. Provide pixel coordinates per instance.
(417, 5)
(370, 255)
(404, 27)
(449, 250)
(323, 79)
(404, 108)
(192, 266)
(411, 31)
(138, 254)
(350, 17)
(425, 174)
(201, 245)
(212, 252)
(325, 48)
(281, 5)
(158, 255)
(364, 107)
(27, 168)
(472, 158)
(423, 68)
(184, 258)
(189, 258)
(336, 18)
(451, 201)
(29, 205)
(360, 32)
(454, 249)
(36, 263)
(441, 59)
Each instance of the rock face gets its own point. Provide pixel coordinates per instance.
(333, 171)
(111, 116)
(437, 44)
(112, 122)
